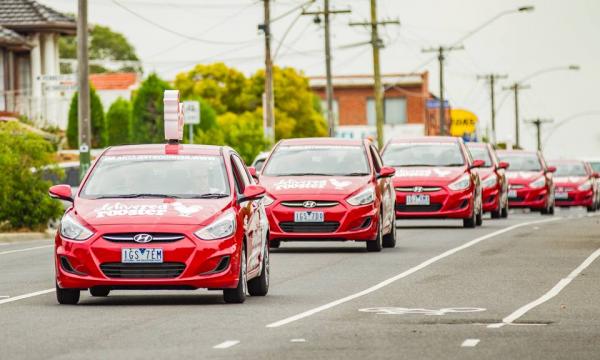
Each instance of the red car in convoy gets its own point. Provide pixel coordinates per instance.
(576, 184)
(329, 189)
(435, 178)
(530, 181)
(493, 179)
(163, 217)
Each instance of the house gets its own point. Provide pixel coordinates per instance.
(29, 59)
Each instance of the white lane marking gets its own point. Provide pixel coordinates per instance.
(549, 295)
(226, 344)
(404, 274)
(25, 296)
(26, 249)
(470, 343)
(298, 340)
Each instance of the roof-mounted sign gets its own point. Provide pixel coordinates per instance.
(173, 115)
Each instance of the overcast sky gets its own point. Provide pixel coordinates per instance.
(557, 33)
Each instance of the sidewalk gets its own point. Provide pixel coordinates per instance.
(26, 236)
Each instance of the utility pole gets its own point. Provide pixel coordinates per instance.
(538, 124)
(441, 50)
(268, 97)
(83, 109)
(376, 44)
(515, 88)
(329, 87)
(491, 79)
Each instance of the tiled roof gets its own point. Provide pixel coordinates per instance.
(29, 14)
(113, 81)
(9, 37)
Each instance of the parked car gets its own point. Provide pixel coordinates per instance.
(576, 184)
(259, 161)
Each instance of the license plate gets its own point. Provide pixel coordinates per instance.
(142, 255)
(417, 200)
(309, 216)
(561, 195)
(512, 194)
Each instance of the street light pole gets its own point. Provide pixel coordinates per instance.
(268, 102)
(538, 124)
(491, 78)
(83, 108)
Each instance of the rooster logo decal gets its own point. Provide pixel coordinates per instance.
(186, 211)
(339, 185)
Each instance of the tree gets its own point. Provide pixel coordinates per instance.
(147, 111)
(23, 190)
(97, 119)
(118, 122)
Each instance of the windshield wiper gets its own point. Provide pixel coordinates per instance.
(209, 196)
(356, 174)
(305, 174)
(131, 196)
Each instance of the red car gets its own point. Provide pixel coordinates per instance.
(530, 181)
(576, 184)
(435, 178)
(493, 179)
(163, 217)
(329, 189)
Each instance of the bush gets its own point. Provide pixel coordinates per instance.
(98, 126)
(118, 122)
(147, 113)
(23, 192)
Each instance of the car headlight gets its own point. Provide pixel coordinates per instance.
(490, 181)
(585, 186)
(538, 183)
(267, 200)
(462, 183)
(223, 227)
(71, 229)
(364, 197)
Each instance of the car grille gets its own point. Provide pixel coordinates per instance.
(156, 237)
(318, 204)
(516, 199)
(142, 271)
(418, 189)
(309, 227)
(418, 208)
(514, 187)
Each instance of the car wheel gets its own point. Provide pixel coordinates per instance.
(99, 291)
(238, 295)
(504, 213)
(259, 286)
(375, 245)
(274, 244)
(471, 220)
(479, 217)
(67, 296)
(496, 214)
(389, 240)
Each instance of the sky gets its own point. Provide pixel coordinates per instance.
(556, 34)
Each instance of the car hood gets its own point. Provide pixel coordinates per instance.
(522, 177)
(484, 172)
(149, 211)
(570, 180)
(313, 185)
(427, 175)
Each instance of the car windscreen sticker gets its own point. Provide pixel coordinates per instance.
(520, 174)
(159, 157)
(570, 179)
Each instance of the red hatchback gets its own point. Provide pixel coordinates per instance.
(163, 217)
(530, 182)
(575, 183)
(493, 179)
(329, 189)
(435, 178)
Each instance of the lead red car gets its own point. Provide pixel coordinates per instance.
(435, 178)
(329, 189)
(163, 217)
(576, 184)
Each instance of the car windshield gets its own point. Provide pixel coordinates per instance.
(177, 176)
(259, 164)
(299, 160)
(595, 166)
(481, 153)
(423, 154)
(569, 169)
(521, 161)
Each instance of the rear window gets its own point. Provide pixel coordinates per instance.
(521, 161)
(423, 154)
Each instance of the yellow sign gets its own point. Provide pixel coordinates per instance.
(463, 122)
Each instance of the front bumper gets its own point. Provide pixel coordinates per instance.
(529, 198)
(444, 203)
(206, 264)
(491, 198)
(576, 198)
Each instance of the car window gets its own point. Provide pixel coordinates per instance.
(569, 169)
(241, 175)
(424, 154)
(521, 161)
(481, 153)
(595, 166)
(377, 162)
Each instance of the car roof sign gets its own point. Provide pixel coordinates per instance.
(173, 116)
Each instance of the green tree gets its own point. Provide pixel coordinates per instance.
(97, 118)
(118, 122)
(147, 111)
(23, 191)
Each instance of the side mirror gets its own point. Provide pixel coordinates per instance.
(477, 163)
(596, 175)
(253, 172)
(386, 172)
(252, 192)
(503, 165)
(61, 192)
(551, 169)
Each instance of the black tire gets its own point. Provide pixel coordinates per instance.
(274, 244)
(497, 214)
(376, 245)
(504, 212)
(99, 291)
(471, 220)
(259, 286)
(479, 217)
(67, 296)
(389, 240)
(551, 210)
(238, 294)
(591, 209)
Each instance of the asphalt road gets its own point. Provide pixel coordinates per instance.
(522, 288)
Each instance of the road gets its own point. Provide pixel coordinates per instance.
(522, 288)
